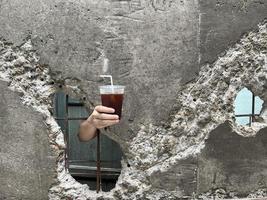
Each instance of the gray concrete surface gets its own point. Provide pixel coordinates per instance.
(27, 163)
(233, 162)
(223, 22)
(173, 101)
(151, 45)
(149, 50)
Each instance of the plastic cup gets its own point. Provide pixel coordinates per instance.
(112, 96)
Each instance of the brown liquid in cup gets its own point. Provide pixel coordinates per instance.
(113, 101)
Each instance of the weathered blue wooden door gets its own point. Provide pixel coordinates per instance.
(81, 156)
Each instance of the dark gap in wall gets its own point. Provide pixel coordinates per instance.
(80, 157)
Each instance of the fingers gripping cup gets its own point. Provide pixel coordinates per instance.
(112, 96)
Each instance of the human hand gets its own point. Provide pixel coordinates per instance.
(102, 117)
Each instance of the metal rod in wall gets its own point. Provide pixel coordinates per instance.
(246, 115)
(67, 133)
(98, 170)
(65, 151)
(72, 118)
(253, 108)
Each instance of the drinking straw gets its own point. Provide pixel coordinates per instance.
(105, 69)
(108, 76)
(111, 81)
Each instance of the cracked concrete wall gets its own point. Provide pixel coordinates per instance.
(231, 164)
(224, 22)
(27, 162)
(174, 99)
(130, 34)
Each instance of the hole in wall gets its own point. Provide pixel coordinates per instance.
(247, 107)
(81, 157)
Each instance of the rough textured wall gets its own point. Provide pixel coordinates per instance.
(144, 41)
(28, 150)
(231, 165)
(27, 163)
(158, 49)
(222, 23)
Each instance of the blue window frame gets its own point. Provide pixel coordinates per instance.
(247, 107)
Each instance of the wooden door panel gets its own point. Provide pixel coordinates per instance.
(84, 153)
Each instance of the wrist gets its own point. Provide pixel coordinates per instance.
(90, 122)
